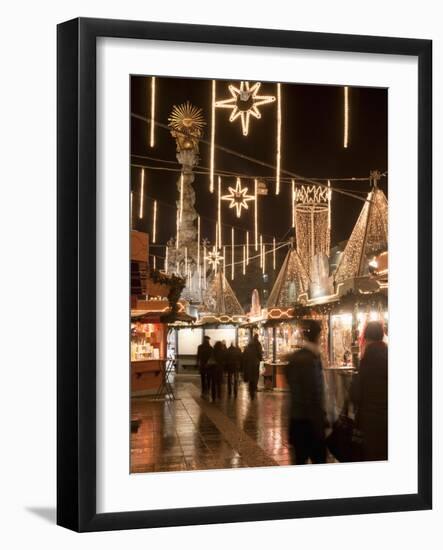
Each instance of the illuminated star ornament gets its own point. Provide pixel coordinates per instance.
(244, 103)
(238, 197)
(214, 258)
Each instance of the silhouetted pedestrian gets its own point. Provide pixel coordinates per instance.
(218, 370)
(233, 365)
(304, 374)
(251, 358)
(204, 356)
(369, 393)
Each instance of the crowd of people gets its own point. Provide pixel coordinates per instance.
(309, 425)
(216, 363)
(367, 437)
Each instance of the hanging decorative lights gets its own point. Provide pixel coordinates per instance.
(212, 153)
(142, 193)
(345, 117)
(152, 124)
(244, 103)
(232, 254)
(244, 259)
(273, 253)
(181, 196)
(278, 155)
(219, 211)
(214, 258)
(238, 197)
(256, 213)
(154, 222)
(247, 247)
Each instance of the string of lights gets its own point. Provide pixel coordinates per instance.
(252, 159)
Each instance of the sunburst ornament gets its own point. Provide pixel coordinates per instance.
(214, 258)
(238, 197)
(244, 103)
(186, 122)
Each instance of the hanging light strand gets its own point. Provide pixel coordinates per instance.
(244, 260)
(346, 117)
(232, 254)
(264, 257)
(256, 213)
(181, 196)
(219, 211)
(278, 155)
(142, 193)
(177, 236)
(247, 247)
(211, 174)
(261, 251)
(152, 127)
(273, 253)
(154, 223)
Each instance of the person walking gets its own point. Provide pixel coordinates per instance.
(233, 364)
(251, 358)
(369, 393)
(204, 356)
(218, 370)
(304, 375)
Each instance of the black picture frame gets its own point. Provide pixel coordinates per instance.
(76, 279)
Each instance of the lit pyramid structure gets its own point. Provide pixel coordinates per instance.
(220, 304)
(292, 281)
(368, 239)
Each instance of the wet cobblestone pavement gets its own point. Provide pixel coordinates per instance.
(192, 433)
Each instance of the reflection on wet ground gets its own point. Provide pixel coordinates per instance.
(192, 433)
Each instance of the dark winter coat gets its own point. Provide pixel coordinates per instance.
(204, 354)
(304, 375)
(220, 355)
(251, 358)
(233, 359)
(369, 393)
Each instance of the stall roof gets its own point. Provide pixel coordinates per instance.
(368, 238)
(219, 299)
(292, 281)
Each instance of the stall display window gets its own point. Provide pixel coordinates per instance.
(146, 341)
(288, 339)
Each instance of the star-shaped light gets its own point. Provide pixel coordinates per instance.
(214, 258)
(244, 103)
(238, 197)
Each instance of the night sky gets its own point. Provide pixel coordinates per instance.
(312, 146)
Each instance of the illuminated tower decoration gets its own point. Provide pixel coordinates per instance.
(186, 123)
(312, 230)
(219, 300)
(368, 238)
(292, 281)
(244, 103)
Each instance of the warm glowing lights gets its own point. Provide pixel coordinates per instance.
(256, 213)
(264, 257)
(186, 261)
(214, 258)
(278, 156)
(273, 253)
(219, 211)
(154, 266)
(238, 197)
(142, 193)
(224, 262)
(247, 247)
(346, 117)
(166, 258)
(232, 254)
(261, 251)
(181, 196)
(152, 126)
(244, 103)
(244, 260)
(154, 222)
(211, 169)
(329, 205)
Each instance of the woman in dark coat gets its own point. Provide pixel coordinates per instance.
(370, 394)
(218, 369)
(252, 356)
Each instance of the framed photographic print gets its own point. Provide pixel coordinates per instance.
(244, 274)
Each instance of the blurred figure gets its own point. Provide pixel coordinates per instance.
(233, 364)
(218, 370)
(304, 375)
(369, 393)
(251, 358)
(205, 363)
